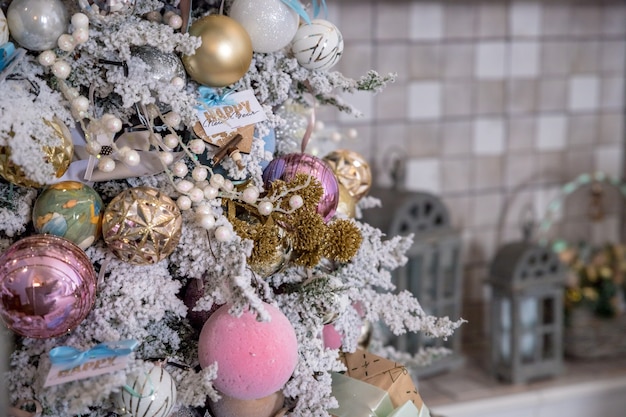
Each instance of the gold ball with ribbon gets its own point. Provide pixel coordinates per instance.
(225, 54)
(142, 225)
(352, 170)
(59, 156)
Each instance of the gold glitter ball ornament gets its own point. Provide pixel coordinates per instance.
(225, 54)
(59, 157)
(352, 170)
(142, 225)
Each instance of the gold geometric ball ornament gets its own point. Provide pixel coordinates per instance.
(59, 157)
(352, 170)
(142, 226)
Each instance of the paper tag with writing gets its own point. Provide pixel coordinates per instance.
(59, 375)
(246, 110)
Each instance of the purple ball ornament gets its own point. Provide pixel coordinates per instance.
(286, 167)
(47, 286)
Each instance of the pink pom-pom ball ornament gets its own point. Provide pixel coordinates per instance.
(254, 359)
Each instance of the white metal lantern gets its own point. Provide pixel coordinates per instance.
(433, 271)
(526, 312)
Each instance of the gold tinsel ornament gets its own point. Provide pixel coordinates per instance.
(58, 157)
(142, 225)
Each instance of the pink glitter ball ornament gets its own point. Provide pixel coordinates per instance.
(47, 286)
(286, 167)
(254, 359)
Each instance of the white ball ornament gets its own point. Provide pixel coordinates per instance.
(172, 119)
(296, 201)
(271, 24)
(132, 158)
(211, 192)
(175, 21)
(46, 58)
(166, 157)
(196, 194)
(184, 203)
(61, 69)
(199, 173)
(217, 180)
(197, 146)
(265, 208)
(171, 140)
(80, 35)
(151, 394)
(223, 234)
(250, 195)
(317, 46)
(112, 123)
(80, 21)
(4, 29)
(66, 42)
(106, 164)
(228, 185)
(80, 103)
(180, 169)
(37, 24)
(207, 221)
(184, 186)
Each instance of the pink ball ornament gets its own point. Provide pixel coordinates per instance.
(286, 167)
(332, 338)
(47, 286)
(255, 359)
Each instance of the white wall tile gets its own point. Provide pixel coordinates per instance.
(612, 93)
(551, 132)
(488, 136)
(392, 21)
(424, 100)
(524, 59)
(423, 175)
(584, 93)
(608, 159)
(426, 21)
(363, 101)
(490, 62)
(525, 18)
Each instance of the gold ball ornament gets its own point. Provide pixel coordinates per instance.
(59, 156)
(225, 54)
(352, 170)
(142, 225)
(347, 203)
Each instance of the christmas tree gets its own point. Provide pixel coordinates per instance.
(165, 142)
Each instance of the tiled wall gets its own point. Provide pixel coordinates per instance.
(497, 104)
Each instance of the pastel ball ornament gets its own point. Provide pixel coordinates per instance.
(71, 210)
(37, 24)
(254, 358)
(225, 54)
(271, 24)
(153, 394)
(47, 286)
(317, 46)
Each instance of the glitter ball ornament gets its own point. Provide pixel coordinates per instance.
(254, 358)
(225, 54)
(151, 394)
(142, 225)
(286, 167)
(317, 46)
(271, 24)
(37, 24)
(47, 286)
(71, 210)
(59, 157)
(4, 29)
(163, 66)
(352, 170)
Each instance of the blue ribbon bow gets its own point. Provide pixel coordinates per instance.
(68, 357)
(316, 7)
(208, 97)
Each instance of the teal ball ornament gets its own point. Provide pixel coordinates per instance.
(71, 210)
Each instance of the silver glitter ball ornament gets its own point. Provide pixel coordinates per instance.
(163, 66)
(37, 24)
